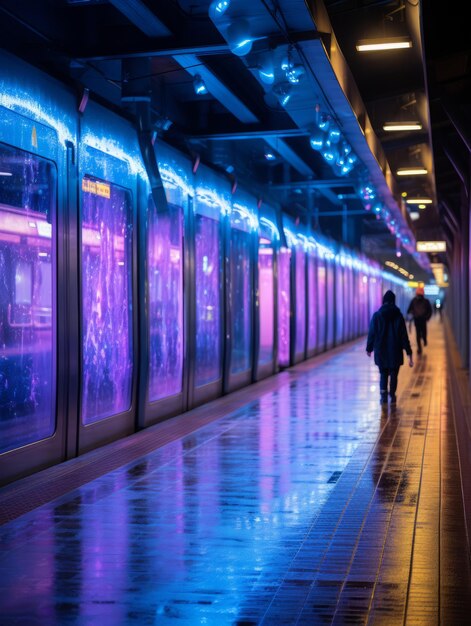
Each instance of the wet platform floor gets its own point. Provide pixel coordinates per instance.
(307, 504)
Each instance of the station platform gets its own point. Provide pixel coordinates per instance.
(297, 500)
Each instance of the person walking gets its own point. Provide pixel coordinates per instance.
(388, 338)
(421, 311)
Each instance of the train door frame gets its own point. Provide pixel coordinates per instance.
(246, 204)
(268, 230)
(311, 312)
(31, 129)
(330, 275)
(118, 163)
(176, 177)
(212, 199)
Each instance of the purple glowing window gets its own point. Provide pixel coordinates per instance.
(106, 300)
(321, 302)
(266, 301)
(300, 299)
(27, 298)
(339, 287)
(165, 284)
(284, 304)
(312, 303)
(208, 258)
(241, 297)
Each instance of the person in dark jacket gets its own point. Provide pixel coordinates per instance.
(421, 310)
(387, 338)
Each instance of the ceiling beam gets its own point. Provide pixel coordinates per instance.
(142, 17)
(262, 133)
(332, 183)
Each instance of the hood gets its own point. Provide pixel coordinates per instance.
(389, 311)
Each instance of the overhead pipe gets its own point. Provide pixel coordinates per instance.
(454, 160)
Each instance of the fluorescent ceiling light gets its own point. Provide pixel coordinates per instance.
(419, 201)
(397, 126)
(386, 43)
(411, 171)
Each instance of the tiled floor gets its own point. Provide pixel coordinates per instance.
(308, 505)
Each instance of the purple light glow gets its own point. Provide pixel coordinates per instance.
(339, 287)
(284, 304)
(266, 304)
(27, 299)
(165, 280)
(330, 304)
(106, 300)
(312, 303)
(300, 256)
(321, 302)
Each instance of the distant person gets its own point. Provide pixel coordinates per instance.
(421, 311)
(387, 338)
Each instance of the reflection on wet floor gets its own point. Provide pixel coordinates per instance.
(311, 505)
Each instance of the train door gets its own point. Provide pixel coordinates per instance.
(108, 190)
(330, 290)
(321, 302)
(312, 302)
(164, 306)
(265, 310)
(239, 298)
(33, 366)
(339, 270)
(284, 305)
(211, 205)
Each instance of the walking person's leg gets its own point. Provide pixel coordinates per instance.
(424, 331)
(418, 335)
(383, 384)
(393, 383)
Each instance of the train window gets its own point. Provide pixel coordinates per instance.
(208, 257)
(266, 299)
(321, 302)
(27, 298)
(165, 284)
(241, 297)
(106, 300)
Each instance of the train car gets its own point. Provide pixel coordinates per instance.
(136, 283)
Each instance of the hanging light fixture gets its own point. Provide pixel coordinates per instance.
(238, 37)
(217, 8)
(282, 91)
(199, 85)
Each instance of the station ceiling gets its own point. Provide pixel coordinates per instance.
(274, 72)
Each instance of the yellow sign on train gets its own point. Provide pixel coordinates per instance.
(96, 187)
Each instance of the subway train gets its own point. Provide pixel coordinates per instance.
(121, 306)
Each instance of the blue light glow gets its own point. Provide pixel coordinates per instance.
(217, 8)
(317, 140)
(239, 38)
(272, 227)
(199, 86)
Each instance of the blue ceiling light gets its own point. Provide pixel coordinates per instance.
(282, 91)
(217, 8)
(317, 139)
(334, 134)
(295, 74)
(199, 86)
(239, 38)
(330, 153)
(346, 148)
(324, 122)
(270, 156)
(266, 69)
